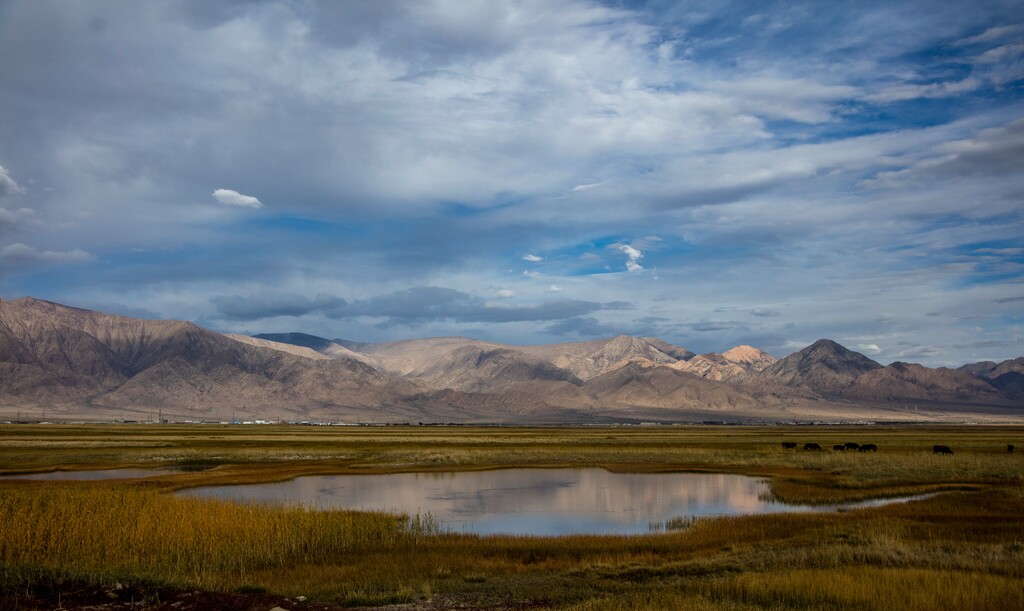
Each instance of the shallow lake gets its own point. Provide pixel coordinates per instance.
(530, 501)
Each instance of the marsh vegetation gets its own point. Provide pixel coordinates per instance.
(960, 549)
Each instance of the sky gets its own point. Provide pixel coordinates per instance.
(711, 173)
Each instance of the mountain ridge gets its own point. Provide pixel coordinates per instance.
(84, 363)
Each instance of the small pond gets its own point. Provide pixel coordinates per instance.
(530, 501)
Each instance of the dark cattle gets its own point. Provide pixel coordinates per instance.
(852, 446)
(942, 450)
(839, 447)
(811, 446)
(1009, 448)
(869, 447)
(788, 445)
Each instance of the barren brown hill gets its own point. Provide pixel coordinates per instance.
(466, 364)
(477, 369)
(60, 356)
(910, 381)
(750, 357)
(712, 366)
(737, 365)
(587, 360)
(637, 385)
(324, 347)
(91, 365)
(824, 367)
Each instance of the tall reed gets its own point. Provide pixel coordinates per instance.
(93, 532)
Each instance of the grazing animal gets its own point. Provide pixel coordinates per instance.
(839, 447)
(1009, 448)
(788, 445)
(812, 446)
(869, 447)
(942, 450)
(850, 445)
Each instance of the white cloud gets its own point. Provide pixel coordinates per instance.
(995, 33)
(504, 293)
(24, 254)
(633, 257)
(909, 91)
(590, 186)
(554, 288)
(532, 258)
(230, 197)
(532, 274)
(7, 184)
(1005, 52)
(869, 348)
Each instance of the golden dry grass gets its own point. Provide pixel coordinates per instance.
(962, 549)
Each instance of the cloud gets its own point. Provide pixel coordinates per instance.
(590, 186)
(994, 33)
(990, 152)
(1006, 52)
(841, 162)
(532, 258)
(910, 91)
(633, 257)
(584, 326)
(7, 184)
(11, 219)
(229, 197)
(554, 288)
(261, 306)
(869, 348)
(764, 313)
(410, 306)
(706, 326)
(21, 255)
(504, 293)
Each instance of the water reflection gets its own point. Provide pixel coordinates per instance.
(527, 501)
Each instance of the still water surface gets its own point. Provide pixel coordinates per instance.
(528, 501)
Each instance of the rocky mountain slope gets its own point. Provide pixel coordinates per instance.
(824, 367)
(92, 365)
(66, 357)
(740, 364)
(1007, 377)
(903, 382)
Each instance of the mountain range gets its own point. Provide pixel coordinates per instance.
(63, 362)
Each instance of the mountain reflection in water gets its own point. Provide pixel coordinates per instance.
(527, 501)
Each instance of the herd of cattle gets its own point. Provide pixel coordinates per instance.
(870, 447)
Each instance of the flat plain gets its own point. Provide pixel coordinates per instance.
(132, 543)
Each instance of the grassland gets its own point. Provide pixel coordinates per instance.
(962, 549)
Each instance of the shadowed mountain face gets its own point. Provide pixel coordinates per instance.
(92, 365)
(824, 367)
(912, 382)
(55, 355)
(1007, 377)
